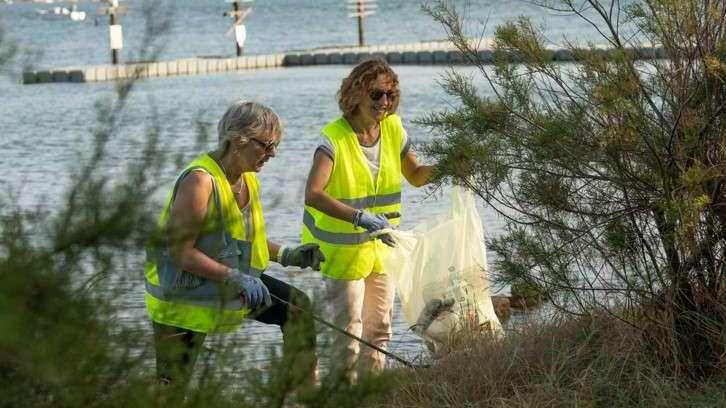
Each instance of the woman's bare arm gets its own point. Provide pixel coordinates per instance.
(417, 174)
(316, 197)
(185, 222)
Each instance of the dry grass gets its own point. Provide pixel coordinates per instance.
(577, 363)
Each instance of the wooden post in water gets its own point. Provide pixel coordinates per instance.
(361, 30)
(359, 9)
(114, 51)
(240, 31)
(115, 32)
(237, 21)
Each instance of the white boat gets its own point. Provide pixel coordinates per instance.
(77, 15)
(61, 12)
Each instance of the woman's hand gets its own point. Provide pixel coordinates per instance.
(371, 222)
(303, 256)
(376, 222)
(252, 290)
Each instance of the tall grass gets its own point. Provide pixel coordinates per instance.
(577, 362)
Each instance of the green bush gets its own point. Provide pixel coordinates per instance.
(609, 170)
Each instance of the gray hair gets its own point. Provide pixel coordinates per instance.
(244, 119)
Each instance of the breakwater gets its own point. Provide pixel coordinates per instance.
(420, 53)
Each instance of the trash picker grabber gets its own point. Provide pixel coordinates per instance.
(351, 335)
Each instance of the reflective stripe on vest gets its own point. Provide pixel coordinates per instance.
(187, 300)
(349, 251)
(340, 238)
(367, 202)
(206, 296)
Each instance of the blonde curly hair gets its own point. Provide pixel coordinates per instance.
(356, 85)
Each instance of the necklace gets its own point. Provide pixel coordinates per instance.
(226, 175)
(239, 191)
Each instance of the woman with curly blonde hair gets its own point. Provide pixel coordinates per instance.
(353, 194)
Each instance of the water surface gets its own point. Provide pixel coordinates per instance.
(47, 129)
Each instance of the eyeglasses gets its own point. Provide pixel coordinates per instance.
(269, 147)
(377, 94)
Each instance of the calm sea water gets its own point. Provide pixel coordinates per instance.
(198, 27)
(47, 129)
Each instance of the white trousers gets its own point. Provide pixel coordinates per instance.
(363, 307)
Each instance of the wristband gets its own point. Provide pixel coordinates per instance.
(356, 217)
(232, 278)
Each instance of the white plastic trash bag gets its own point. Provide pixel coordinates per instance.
(440, 270)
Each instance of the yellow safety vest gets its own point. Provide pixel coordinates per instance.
(181, 299)
(349, 251)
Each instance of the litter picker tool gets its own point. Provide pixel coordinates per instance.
(351, 335)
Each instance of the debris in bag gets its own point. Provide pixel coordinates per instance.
(431, 311)
(457, 304)
(441, 276)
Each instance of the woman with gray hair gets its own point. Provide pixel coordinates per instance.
(205, 266)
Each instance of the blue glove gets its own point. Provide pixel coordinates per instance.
(252, 289)
(371, 222)
(306, 255)
(375, 222)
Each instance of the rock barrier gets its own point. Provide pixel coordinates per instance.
(421, 53)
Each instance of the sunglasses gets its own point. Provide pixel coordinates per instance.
(377, 94)
(269, 147)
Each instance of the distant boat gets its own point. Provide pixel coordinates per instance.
(77, 15)
(73, 13)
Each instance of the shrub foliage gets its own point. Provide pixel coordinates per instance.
(608, 169)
